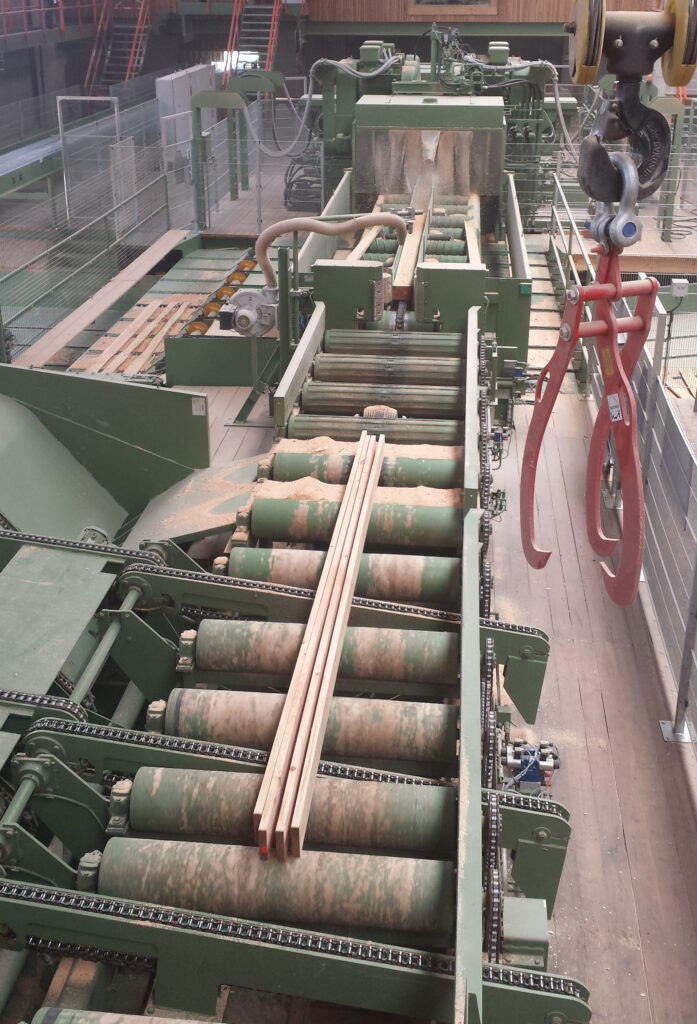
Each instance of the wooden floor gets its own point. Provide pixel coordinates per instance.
(242, 217)
(650, 254)
(626, 916)
(230, 442)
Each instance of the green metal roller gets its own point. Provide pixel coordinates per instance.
(303, 511)
(335, 469)
(388, 730)
(449, 259)
(424, 579)
(452, 247)
(388, 245)
(388, 369)
(407, 400)
(344, 890)
(345, 814)
(428, 346)
(349, 428)
(448, 221)
(272, 648)
(381, 257)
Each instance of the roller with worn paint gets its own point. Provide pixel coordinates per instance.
(401, 343)
(345, 814)
(304, 426)
(386, 370)
(272, 648)
(323, 889)
(307, 510)
(424, 579)
(408, 400)
(358, 728)
(335, 469)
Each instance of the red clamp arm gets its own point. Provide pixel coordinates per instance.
(617, 414)
(548, 385)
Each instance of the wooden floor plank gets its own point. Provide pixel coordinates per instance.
(625, 916)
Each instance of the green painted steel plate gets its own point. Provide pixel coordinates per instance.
(430, 112)
(47, 597)
(204, 503)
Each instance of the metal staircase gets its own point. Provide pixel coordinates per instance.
(255, 30)
(120, 43)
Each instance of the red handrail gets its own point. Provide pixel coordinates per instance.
(273, 33)
(139, 36)
(233, 37)
(100, 44)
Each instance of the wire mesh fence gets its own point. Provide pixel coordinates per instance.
(57, 279)
(669, 469)
(24, 120)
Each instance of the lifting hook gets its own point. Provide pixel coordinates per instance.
(617, 413)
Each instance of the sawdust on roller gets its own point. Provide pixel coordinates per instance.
(328, 446)
(310, 489)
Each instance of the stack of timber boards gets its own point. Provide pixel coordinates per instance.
(283, 804)
(136, 343)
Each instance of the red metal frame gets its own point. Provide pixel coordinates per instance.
(100, 46)
(233, 37)
(273, 33)
(617, 414)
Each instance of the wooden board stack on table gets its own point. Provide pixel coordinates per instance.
(136, 342)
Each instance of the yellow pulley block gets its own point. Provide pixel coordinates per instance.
(679, 62)
(586, 40)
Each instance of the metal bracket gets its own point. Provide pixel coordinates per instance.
(686, 735)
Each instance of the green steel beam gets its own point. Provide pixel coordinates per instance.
(468, 933)
(35, 171)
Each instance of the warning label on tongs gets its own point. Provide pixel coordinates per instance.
(613, 402)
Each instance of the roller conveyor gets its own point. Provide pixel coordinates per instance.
(426, 870)
(372, 729)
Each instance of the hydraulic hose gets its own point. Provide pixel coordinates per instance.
(321, 227)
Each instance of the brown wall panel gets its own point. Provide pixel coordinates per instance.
(507, 10)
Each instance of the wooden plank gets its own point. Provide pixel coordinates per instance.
(179, 316)
(472, 229)
(94, 359)
(369, 235)
(345, 540)
(68, 329)
(115, 361)
(292, 380)
(271, 792)
(335, 640)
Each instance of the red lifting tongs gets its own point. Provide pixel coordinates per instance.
(617, 411)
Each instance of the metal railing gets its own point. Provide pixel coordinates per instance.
(58, 278)
(669, 471)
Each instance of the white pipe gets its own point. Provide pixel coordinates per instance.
(321, 227)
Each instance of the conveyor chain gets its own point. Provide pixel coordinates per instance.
(83, 545)
(242, 755)
(272, 934)
(54, 947)
(36, 700)
(285, 590)
(494, 910)
(524, 802)
(487, 680)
